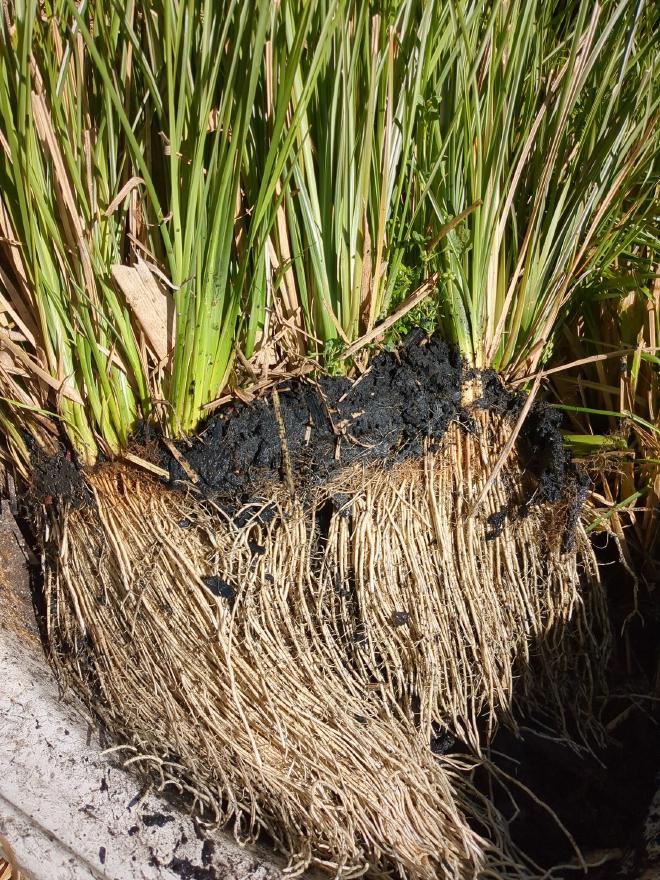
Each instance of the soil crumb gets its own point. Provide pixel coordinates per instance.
(156, 820)
(188, 871)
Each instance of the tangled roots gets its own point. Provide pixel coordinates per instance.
(285, 670)
(231, 704)
(447, 603)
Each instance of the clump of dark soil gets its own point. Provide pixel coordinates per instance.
(185, 869)
(57, 477)
(541, 439)
(156, 820)
(404, 399)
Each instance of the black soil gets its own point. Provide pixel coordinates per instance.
(603, 793)
(156, 820)
(405, 399)
(56, 477)
(401, 400)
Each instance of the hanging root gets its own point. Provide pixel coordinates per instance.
(284, 667)
(444, 604)
(225, 698)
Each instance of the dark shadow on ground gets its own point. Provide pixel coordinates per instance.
(602, 797)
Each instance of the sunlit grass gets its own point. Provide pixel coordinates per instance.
(283, 176)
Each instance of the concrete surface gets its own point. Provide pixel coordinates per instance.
(66, 813)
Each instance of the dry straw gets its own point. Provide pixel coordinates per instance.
(297, 701)
(7, 872)
(453, 607)
(9, 869)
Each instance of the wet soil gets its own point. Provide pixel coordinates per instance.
(601, 797)
(404, 400)
(386, 414)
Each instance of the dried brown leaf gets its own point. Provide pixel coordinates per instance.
(152, 308)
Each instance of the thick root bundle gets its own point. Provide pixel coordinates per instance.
(229, 702)
(449, 603)
(283, 666)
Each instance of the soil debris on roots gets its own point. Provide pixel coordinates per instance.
(405, 401)
(334, 642)
(58, 478)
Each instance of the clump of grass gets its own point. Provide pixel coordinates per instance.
(189, 190)
(494, 145)
(288, 175)
(547, 122)
(125, 138)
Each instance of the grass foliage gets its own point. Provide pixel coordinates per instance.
(281, 178)
(612, 396)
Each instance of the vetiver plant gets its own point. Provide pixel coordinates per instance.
(200, 199)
